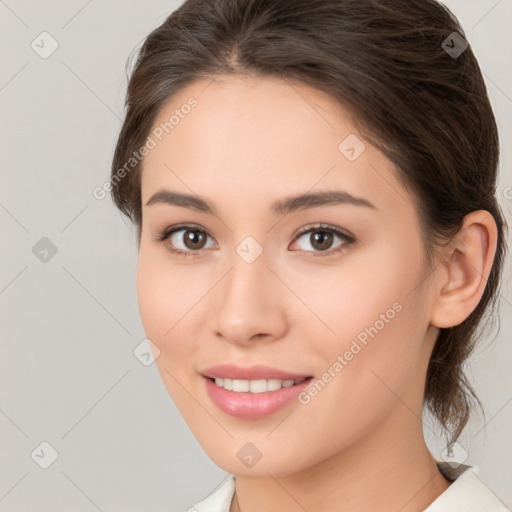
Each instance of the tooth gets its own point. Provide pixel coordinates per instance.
(274, 384)
(255, 386)
(240, 385)
(258, 386)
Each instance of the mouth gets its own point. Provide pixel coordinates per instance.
(254, 399)
(252, 392)
(257, 385)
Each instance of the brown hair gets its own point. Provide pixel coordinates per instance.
(385, 60)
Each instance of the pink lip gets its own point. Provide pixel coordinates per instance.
(252, 406)
(231, 371)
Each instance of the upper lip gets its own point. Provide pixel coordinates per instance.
(255, 372)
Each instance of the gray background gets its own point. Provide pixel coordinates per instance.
(69, 324)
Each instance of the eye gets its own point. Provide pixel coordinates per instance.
(188, 240)
(322, 237)
(183, 239)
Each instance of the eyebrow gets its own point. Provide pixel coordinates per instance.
(284, 206)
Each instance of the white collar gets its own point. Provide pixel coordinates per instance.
(467, 492)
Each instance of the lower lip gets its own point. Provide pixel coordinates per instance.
(253, 406)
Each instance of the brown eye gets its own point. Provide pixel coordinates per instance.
(184, 240)
(194, 239)
(321, 240)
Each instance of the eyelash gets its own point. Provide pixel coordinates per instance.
(346, 238)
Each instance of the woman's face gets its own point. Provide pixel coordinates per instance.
(265, 279)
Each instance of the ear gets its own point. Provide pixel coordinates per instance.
(462, 275)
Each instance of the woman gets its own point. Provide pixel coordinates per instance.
(312, 184)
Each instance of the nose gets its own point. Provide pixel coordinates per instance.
(252, 304)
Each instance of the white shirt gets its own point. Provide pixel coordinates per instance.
(467, 493)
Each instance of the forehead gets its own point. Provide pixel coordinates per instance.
(252, 114)
(254, 137)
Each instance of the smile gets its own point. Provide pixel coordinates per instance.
(254, 399)
(255, 386)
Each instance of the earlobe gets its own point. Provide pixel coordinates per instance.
(463, 273)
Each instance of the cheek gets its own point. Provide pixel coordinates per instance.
(153, 299)
(373, 322)
(365, 290)
(164, 291)
(368, 377)
(164, 297)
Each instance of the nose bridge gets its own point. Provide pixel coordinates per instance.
(247, 282)
(249, 303)
(247, 276)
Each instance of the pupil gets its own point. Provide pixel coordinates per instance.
(193, 237)
(321, 239)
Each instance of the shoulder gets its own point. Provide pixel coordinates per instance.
(219, 500)
(467, 492)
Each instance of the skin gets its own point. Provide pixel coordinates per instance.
(249, 142)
